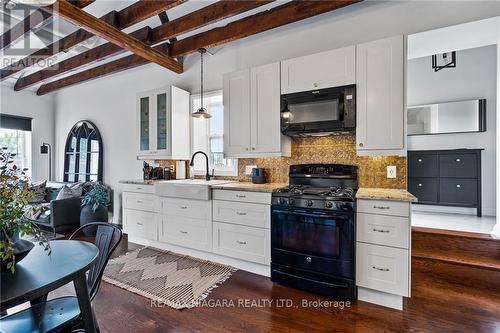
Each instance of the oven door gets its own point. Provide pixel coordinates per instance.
(319, 241)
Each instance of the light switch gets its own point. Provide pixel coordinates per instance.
(248, 169)
(391, 171)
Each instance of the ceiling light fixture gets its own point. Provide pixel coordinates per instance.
(202, 113)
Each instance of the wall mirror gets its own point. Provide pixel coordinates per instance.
(448, 117)
(83, 153)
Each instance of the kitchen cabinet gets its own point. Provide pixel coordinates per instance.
(317, 71)
(380, 97)
(252, 113)
(163, 124)
(140, 211)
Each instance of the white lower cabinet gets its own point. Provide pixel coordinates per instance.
(242, 242)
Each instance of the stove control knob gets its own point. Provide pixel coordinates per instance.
(309, 203)
(329, 204)
(290, 202)
(282, 201)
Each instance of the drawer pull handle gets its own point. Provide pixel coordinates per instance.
(308, 259)
(381, 269)
(458, 186)
(381, 207)
(183, 207)
(183, 232)
(139, 201)
(458, 160)
(419, 160)
(240, 196)
(241, 242)
(419, 185)
(138, 223)
(241, 213)
(381, 230)
(138, 188)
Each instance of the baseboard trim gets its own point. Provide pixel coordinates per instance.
(380, 298)
(259, 269)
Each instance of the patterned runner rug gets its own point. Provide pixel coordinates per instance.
(167, 278)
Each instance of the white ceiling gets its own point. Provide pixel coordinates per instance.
(61, 28)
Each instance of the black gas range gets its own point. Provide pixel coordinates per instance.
(313, 230)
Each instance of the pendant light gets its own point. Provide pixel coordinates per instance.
(202, 112)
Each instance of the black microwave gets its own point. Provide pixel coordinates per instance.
(319, 112)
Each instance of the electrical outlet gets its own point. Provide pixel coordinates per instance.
(248, 169)
(391, 171)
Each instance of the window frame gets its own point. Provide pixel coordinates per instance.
(28, 149)
(218, 171)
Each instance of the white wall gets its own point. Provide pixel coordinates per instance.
(42, 110)
(110, 102)
(474, 77)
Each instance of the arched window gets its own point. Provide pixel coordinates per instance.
(83, 153)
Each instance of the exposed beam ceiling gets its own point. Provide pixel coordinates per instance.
(125, 18)
(106, 31)
(167, 31)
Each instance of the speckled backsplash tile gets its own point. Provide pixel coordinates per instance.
(338, 149)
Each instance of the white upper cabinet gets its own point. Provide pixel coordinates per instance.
(317, 71)
(380, 85)
(163, 124)
(252, 113)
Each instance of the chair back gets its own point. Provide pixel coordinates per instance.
(107, 238)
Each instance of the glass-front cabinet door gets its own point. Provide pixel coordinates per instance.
(144, 122)
(161, 123)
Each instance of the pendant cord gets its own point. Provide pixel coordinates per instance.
(201, 54)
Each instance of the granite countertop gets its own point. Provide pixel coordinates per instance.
(139, 182)
(251, 187)
(385, 194)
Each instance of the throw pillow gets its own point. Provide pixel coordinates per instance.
(38, 190)
(70, 191)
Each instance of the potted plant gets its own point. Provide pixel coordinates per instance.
(15, 193)
(94, 205)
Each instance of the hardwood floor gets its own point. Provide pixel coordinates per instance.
(437, 305)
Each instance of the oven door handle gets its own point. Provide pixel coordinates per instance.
(309, 214)
(310, 280)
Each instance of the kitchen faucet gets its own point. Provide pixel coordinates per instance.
(207, 176)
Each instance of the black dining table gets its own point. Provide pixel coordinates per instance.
(38, 274)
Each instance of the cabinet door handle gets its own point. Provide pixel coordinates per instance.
(419, 185)
(138, 223)
(139, 201)
(241, 242)
(246, 148)
(459, 186)
(183, 207)
(419, 160)
(253, 148)
(381, 207)
(241, 213)
(240, 196)
(381, 230)
(361, 144)
(381, 269)
(458, 160)
(183, 232)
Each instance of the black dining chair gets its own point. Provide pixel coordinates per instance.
(63, 313)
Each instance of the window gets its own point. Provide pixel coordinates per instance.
(83, 154)
(208, 137)
(15, 137)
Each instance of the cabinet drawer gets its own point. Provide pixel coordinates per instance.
(382, 268)
(425, 189)
(249, 214)
(395, 208)
(383, 230)
(199, 209)
(187, 234)
(138, 188)
(423, 165)
(140, 201)
(247, 243)
(140, 224)
(458, 165)
(458, 191)
(242, 196)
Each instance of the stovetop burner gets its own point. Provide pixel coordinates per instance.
(331, 193)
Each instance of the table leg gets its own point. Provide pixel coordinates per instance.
(82, 293)
(39, 300)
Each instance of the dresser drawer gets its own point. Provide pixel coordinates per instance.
(242, 196)
(140, 201)
(193, 234)
(458, 191)
(138, 188)
(140, 224)
(383, 230)
(395, 208)
(249, 214)
(382, 268)
(423, 165)
(425, 189)
(199, 209)
(247, 243)
(460, 165)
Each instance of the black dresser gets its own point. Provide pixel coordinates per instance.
(446, 177)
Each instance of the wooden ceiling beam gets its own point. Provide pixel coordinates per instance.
(112, 67)
(136, 12)
(31, 22)
(167, 31)
(106, 31)
(285, 14)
